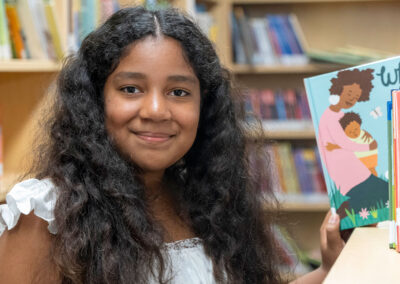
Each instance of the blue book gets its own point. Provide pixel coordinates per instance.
(280, 106)
(348, 109)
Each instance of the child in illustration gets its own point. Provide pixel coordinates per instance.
(351, 124)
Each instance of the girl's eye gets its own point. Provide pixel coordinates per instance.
(179, 93)
(130, 89)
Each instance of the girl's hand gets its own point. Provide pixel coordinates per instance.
(331, 246)
(330, 241)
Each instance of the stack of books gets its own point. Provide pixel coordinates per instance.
(272, 39)
(283, 104)
(30, 29)
(296, 173)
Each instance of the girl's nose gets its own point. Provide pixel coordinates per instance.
(155, 106)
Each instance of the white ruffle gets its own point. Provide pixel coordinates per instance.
(30, 195)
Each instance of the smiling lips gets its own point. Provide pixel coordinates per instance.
(153, 137)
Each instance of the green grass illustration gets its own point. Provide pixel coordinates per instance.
(335, 195)
(351, 216)
(374, 212)
(378, 212)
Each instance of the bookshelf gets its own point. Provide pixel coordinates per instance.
(283, 69)
(29, 65)
(353, 265)
(325, 23)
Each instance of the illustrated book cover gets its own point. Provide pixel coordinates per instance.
(349, 114)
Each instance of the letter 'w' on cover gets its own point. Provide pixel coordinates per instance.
(396, 149)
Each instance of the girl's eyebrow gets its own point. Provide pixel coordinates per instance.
(137, 75)
(129, 75)
(183, 78)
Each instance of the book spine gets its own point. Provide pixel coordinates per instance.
(53, 28)
(87, 18)
(392, 239)
(280, 105)
(290, 103)
(5, 44)
(279, 167)
(396, 149)
(238, 48)
(301, 170)
(245, 33)
(300, 37)
(273, 38)
(15, 30)
(267, 105)
(266, 52)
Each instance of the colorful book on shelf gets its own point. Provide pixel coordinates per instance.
(5, 44)
(33, 41)
(15, 30)
(349, 114)
(49, 11)
(395, 194)
(392, 210)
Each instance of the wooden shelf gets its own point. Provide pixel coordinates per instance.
(304, 207)
(292, 135)
(366, 258)
(286, 129)
(29, 65)
(302, 203)
(286, 69)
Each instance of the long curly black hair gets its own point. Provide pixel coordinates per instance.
(106, 233)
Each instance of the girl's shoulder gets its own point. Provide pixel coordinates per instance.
(30, 196)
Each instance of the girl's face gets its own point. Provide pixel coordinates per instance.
(353, 129)
(350, 95)
(152, 104)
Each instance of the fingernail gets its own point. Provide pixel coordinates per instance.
(333, 219)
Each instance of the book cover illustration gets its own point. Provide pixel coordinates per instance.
(349, 115)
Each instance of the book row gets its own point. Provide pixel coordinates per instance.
(286, 104)
(268, 40)
(295, 170)
(30, 29)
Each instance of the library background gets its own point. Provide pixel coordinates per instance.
(269, 45)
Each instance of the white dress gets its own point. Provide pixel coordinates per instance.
(188, 261)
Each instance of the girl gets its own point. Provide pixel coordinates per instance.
(145, 178)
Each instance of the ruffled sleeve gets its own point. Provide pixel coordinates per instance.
(30, 195)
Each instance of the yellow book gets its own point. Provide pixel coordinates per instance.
(53, 28)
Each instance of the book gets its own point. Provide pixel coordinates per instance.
(5, 44)
(33, 38)
(53, 29)
(245, 34)
(348, 109)
(16, 35)
(268, 40)
(395, 199)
